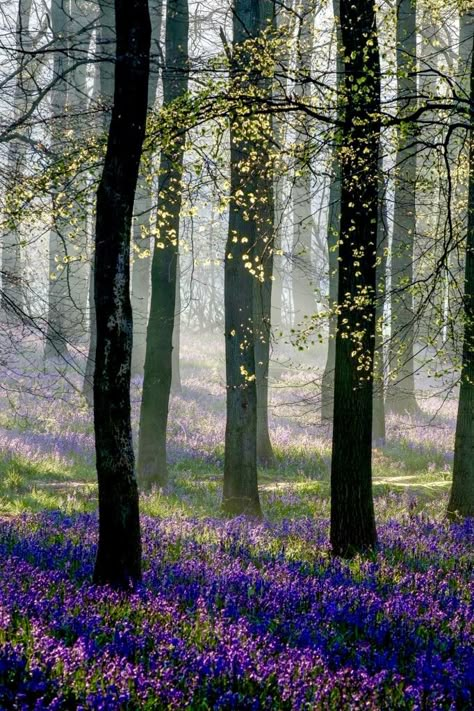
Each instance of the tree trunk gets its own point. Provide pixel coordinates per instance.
(175, 360)
(12, 291)
(141, 269)
(378, 425)
(152, 467)
(461, 501)
(118, 560)
(302, 192)
(327, 382)
(81, 26)
(241, 267)
(59, 306)
(352, 512)
(401, 393)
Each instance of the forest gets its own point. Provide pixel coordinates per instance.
(237, 355)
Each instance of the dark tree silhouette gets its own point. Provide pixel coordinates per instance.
(118, 560)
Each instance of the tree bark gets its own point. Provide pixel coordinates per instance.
(401, 393)
(118, 560)
(242, 268)
(352, 512)
(152, 466)
(461, 501)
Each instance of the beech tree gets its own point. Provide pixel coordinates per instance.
(118, 560)
(401, 394)
(152, 468)
(352, 511)
(241, 268)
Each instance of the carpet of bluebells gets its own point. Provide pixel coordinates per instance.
(231, 614)
(237, 615)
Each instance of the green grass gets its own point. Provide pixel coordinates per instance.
(196, 486)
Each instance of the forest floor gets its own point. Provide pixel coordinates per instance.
(235, 614)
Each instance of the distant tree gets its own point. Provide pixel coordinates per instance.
(142, 241)
(378, 424)
(352, 510)
(265, 249)
(118, 560)
(16, 158)
(58, 297)
(327, 383)
(461, 501)
(302, 191)
(152, 466)
(401, 393)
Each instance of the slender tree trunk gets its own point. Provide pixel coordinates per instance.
(118, 560)
(152, 467)
(59, 310)
(284, 19)
(241, 270)
(327, 383)
(141, 269)
(81, 25)
(461, 501)
(378, 425)
(352, 511)
(12, 292)
(265, 247)
(302, 192)
(175, 361)
(401, 394)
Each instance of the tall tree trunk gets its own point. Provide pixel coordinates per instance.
(352, 510)
(12, 292)
(401, 393)
(118, 560)
(240, 495)
(81, 24)
(175, 359)
(303, 286)
(265, 247)
(141, 269)
(378, 425)
(152, 468)
(327, 382)
(59, 303)
(461, 501)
